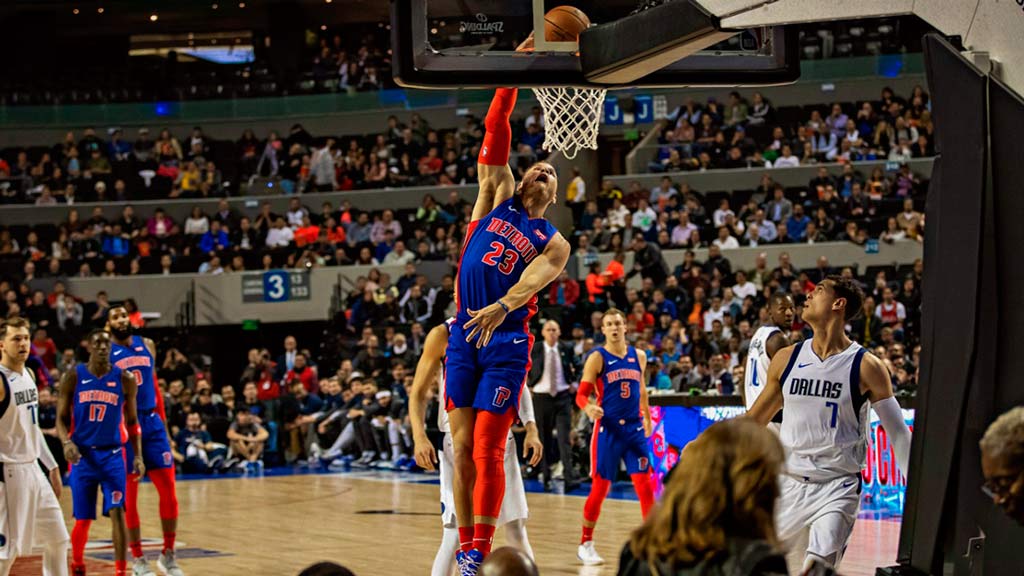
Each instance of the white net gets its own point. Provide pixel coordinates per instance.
(572, 117)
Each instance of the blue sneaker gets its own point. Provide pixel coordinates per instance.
(469, 562)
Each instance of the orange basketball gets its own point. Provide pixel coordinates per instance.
(564, 24)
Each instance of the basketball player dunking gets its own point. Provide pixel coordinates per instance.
(826, 385)
(94, 400)
(514, 511)
(30, 515)
(766, 342)
(510, 253)
(614, 373)
(137, 355)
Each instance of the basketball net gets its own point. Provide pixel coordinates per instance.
(572, 117)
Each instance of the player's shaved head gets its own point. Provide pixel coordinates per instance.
(508, 561)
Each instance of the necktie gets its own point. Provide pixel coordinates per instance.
(549, 367)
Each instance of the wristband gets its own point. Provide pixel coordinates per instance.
(135, 430)
(503, 306)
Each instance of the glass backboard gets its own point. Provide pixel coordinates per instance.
(471, 44)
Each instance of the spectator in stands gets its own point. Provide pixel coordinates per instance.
(738, 533)
(648, 261)
(786, 158)
(910, 221)
(1002, 463)
(280, 236)
(248, 437)
(779, 208)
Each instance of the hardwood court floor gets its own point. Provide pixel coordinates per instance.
(376, 524)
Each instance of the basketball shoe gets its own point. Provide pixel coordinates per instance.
(469, 562)
(588, 554)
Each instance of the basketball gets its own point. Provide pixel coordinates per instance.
(564, 24)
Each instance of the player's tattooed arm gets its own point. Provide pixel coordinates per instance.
(131, 420)
(769, 402)
(645, 405)
(427, 369)
(67, 394)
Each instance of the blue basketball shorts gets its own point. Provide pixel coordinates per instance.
(617, 441)
(156, 450)
(489, 378)
(102, 468)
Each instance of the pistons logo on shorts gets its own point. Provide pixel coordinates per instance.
(501, 395)
(116, 497)
(168, 458)
(644, 463)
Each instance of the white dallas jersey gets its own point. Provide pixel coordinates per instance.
(825, 427)
(755, 375)
(20, 440)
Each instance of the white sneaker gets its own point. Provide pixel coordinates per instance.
(168, 564)
(141, 568)
(588, 555)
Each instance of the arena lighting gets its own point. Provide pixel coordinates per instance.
(214, 6)
(99, 10)
(153, 17)
(323, 27)
(75, 11)
(241, 4)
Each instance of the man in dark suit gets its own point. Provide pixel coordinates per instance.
(286, 361)
(553, 379)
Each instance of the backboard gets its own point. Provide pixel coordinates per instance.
(471, 44)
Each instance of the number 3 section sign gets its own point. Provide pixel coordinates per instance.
(275, 286)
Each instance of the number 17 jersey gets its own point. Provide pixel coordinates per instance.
(497, 249)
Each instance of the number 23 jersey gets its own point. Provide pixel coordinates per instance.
(824, 427)
(497, 250)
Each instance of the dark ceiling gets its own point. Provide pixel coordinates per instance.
(104, 17)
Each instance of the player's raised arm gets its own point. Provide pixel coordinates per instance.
(542, 271)
(64, 406)
(131, 420)
(876, 382)
(769, 402)
(591, 372)
(497, 183)
(427, 369)
(645, 405)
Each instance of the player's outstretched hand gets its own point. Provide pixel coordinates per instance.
(424, 453)
(139, 466)
(484, 322)
(71, 453)
(56, 482)
(594, 411)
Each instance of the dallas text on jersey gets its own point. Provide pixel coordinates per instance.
(29, 396)
(820, 388)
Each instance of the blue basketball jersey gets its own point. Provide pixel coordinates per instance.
(497, 249)
(618, 388)
(96, 408)
(136, 360)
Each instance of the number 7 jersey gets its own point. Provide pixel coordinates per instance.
(497, 249)
(825, 415)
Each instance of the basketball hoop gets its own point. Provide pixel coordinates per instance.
(572, 117)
